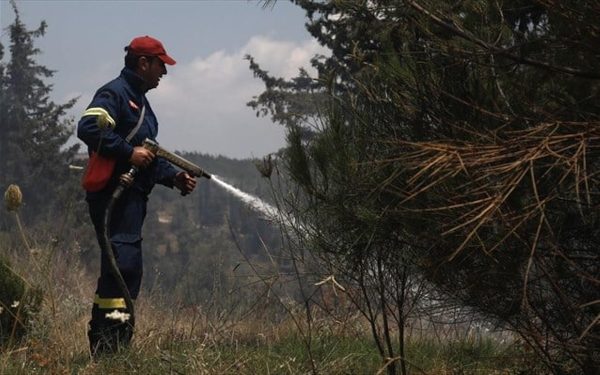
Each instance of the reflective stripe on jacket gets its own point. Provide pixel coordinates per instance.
(112, 114)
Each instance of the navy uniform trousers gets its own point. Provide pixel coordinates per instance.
(107, 334)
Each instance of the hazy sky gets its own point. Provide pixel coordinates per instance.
(200, 104)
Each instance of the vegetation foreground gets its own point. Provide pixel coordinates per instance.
(177, 339)
(445, 153)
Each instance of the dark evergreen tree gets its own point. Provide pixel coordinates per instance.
(34, 128)
(459, 136)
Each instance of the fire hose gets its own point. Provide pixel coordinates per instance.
(125, 182)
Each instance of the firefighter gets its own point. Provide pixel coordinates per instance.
(113, 127)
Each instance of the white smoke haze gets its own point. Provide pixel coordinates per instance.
(201, 104)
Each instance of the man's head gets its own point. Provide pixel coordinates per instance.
(147, 57)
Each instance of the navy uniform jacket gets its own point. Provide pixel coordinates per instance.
(120, 101)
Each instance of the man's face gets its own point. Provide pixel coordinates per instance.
(151, 69)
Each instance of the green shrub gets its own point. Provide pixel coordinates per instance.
(18, 303)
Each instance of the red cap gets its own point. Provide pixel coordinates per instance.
(148, 46)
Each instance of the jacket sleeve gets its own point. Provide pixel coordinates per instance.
(165, 173)
(96, 128)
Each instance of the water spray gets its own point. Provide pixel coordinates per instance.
(195, 171)
(126, 180)
(252, 201)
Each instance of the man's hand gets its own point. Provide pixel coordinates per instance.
(185, 183)
(141, 157)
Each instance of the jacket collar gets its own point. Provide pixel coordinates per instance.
(134, 79)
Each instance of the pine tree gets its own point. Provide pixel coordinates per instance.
(419, 92)
(34, 129)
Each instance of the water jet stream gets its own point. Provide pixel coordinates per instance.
(253, 202)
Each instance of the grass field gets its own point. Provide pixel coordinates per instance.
(177, 339)
(180, 340)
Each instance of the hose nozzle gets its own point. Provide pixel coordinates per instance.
(191, 168)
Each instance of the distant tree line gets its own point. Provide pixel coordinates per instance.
(197, 244)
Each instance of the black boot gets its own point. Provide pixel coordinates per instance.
(108, 339)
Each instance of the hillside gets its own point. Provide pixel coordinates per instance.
(192, 244)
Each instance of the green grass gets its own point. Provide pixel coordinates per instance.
(287, 355)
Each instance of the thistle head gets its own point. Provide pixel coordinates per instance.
(13, 197)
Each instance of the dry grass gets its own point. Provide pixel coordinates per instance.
(178, 339)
